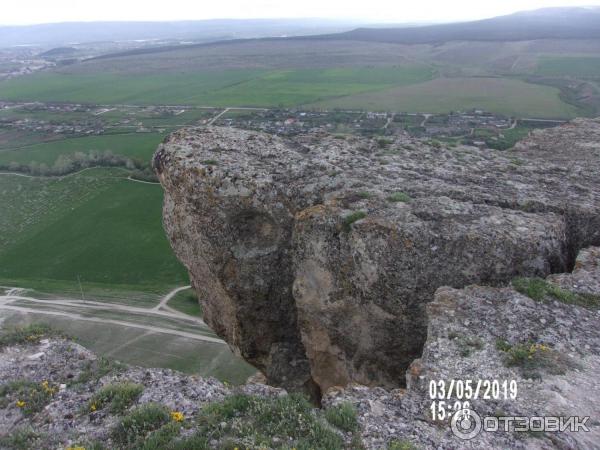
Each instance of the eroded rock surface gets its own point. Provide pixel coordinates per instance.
(474, 334)
(308, 265)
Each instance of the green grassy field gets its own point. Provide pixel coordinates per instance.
(242, 87)
(186, 302)
(109, 88)
(584, 67)
(94, 225)
(135, 145)
(442, 95)
(139, 347)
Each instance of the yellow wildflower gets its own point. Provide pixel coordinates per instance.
(21, 404)
(47, 388)
(177, 416)
(75, 448)
(93, 407)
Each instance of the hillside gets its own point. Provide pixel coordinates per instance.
(58, 34)
(551, 23)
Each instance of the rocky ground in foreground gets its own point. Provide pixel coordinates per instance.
(543, 334)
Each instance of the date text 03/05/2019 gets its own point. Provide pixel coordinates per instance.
(450, 396)
(473, 389)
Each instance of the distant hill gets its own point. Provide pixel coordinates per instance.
(554, 23)
(65, 34)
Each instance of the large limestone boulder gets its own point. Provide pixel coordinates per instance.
(315, 258)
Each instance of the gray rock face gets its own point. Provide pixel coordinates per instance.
(309, 267)
(465, 327)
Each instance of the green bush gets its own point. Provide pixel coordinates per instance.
(399, 197)
(194, 442)
(118, 396)
(343, 416)
(139, 423)
(30, 334)
(28, 396)
(23, 438)
(351, 218)
(162, 438)
(284, 422)
(540, 290)
(98, 368)
(533, 358)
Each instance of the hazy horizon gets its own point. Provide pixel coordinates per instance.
(40, 12)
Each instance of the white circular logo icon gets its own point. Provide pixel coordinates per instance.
(466, 424)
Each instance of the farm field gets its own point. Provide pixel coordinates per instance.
(133, 145)
(442, 95)
(140, 346)
(107, 88)
(584, 67)
(102, 228)
(240, 87)
(91, 259)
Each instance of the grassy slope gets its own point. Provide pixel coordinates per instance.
(134, 346)
(585, 67)
(115, 88)
(499, 95)
(104, 230)
(186, 302)
(136, 145)
(239, 87)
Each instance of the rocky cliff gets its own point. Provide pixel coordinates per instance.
(315, 258)
(540, 335)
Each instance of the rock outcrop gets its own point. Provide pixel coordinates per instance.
(549, 349)
(475, 333)
(315, 258)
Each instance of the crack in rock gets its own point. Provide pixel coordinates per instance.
(311, 269)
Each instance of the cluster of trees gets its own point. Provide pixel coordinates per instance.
(145, 174)
(66, 164)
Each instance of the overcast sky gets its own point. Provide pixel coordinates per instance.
(17, 12)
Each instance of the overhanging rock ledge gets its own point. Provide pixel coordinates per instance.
(315, 257)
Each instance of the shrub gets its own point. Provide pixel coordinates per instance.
(399, 197)
(195, 442)
(351, 218)
(284, 422)
(343, 416)
(383, 143)
(98, 368)
(468, 344)
(533, 358)
(540, 290)
(119, 397)
(30, 334)
(27, 395)
(23, 438)
(161, 439)
(139, 423)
